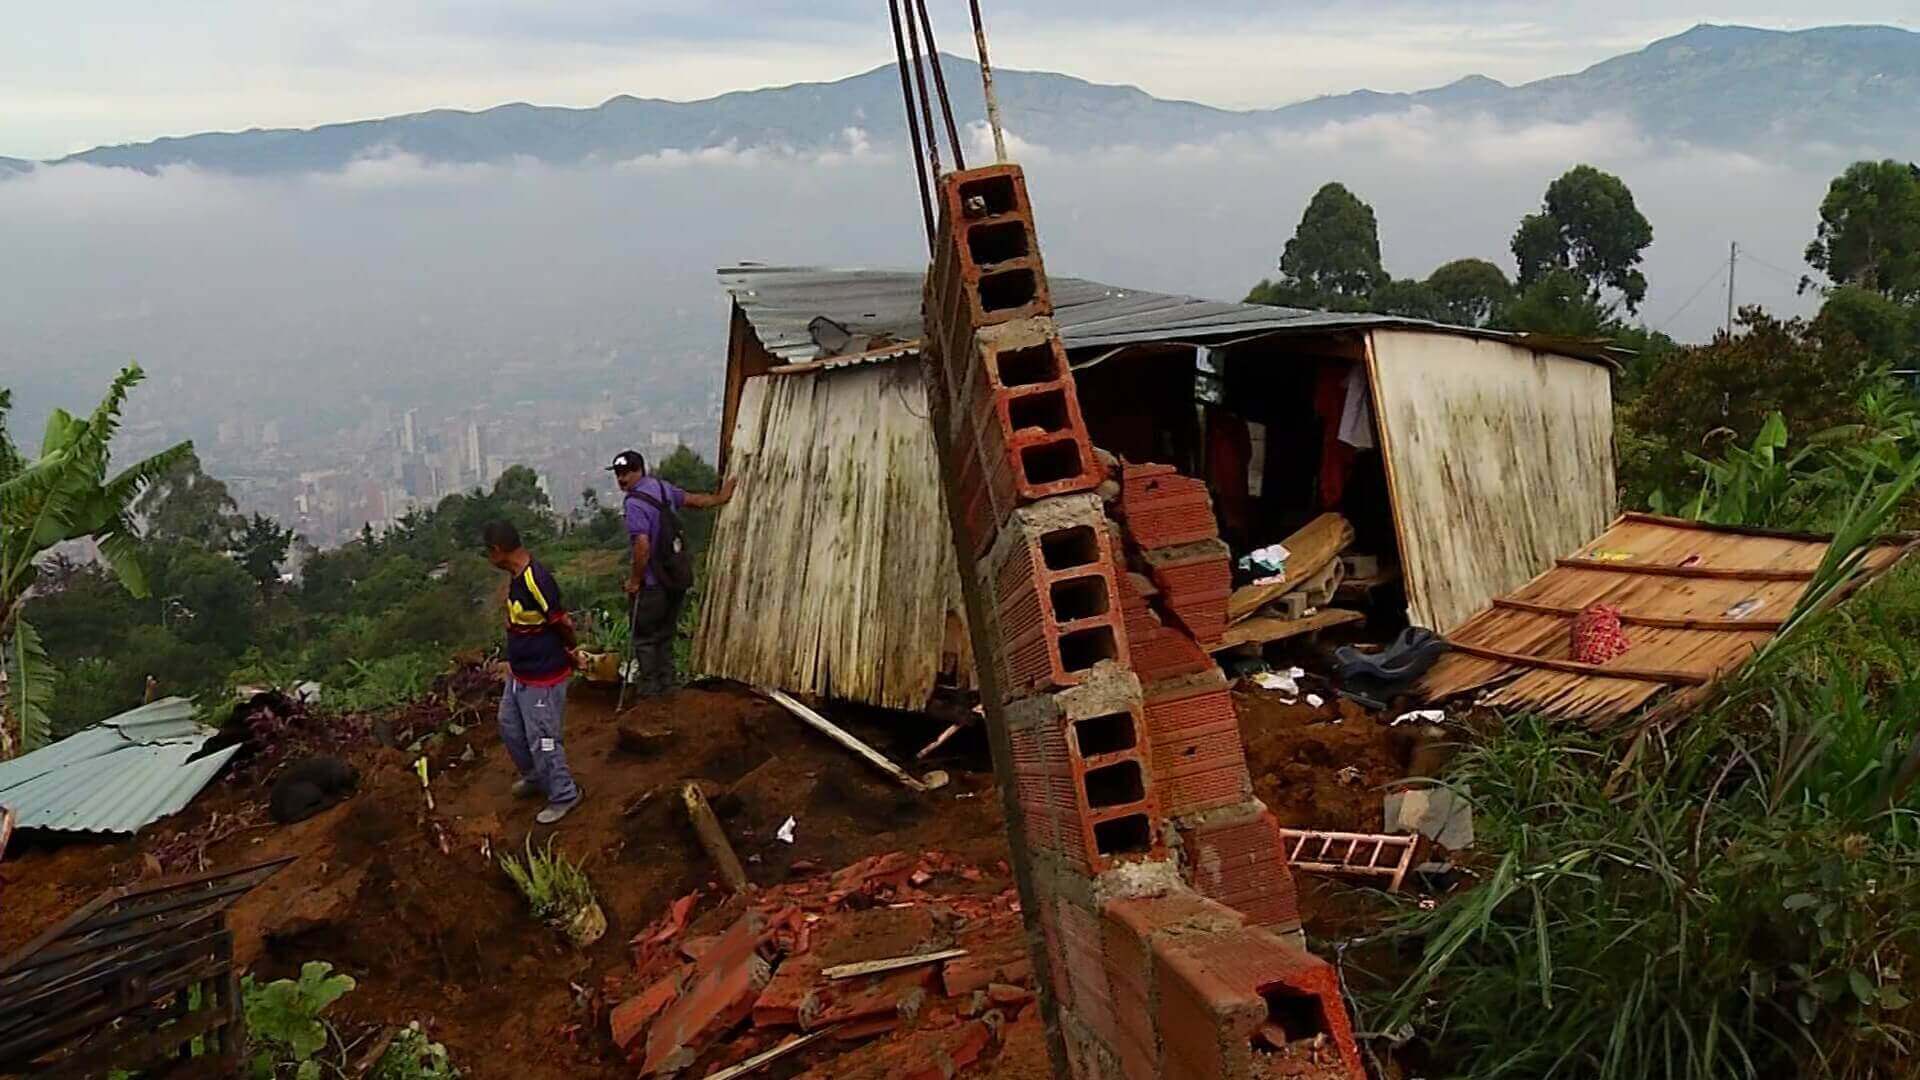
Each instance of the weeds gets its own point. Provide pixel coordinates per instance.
(285, 1020)
(1748, 907)
(414, 1056)
(555, 887)
(292, 1037)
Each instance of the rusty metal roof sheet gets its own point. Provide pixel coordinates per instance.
(782, 302)
(117, 776)
(1696, 601)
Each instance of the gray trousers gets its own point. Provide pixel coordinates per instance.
(656, 619)
(531, 722)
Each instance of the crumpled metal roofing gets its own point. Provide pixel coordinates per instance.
(116, 776)
(781, 301)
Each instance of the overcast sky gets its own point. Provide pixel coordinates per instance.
(78, 75)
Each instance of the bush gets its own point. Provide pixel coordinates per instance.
(285, 1021)
(1812, 374)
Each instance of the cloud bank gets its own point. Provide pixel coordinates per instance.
(396, 280)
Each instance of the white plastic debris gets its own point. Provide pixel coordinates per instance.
(1278, 683)
(1425, 716)
(785, 832)
(1316, 700)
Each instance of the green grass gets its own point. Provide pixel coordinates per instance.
(1741, 900)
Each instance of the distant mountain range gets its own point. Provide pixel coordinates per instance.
(1852, 87)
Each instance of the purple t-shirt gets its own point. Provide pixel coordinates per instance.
(644, 520)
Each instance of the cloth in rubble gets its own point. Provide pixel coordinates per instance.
(1597, 635)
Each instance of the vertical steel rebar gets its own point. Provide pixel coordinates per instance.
(986, 82)
(926, 99)
(913, 123)
(940, 86)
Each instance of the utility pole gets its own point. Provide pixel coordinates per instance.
(1733, 265)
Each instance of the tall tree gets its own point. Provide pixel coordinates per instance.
(1890, 331)
(1589, 226)
(1869, 234)
(1470, 291)
(261, 547)
(1333, 260)
(520, 486)
(188, 506)
(64, 494)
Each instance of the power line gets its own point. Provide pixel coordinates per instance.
(1765, 265)
(1715, 276)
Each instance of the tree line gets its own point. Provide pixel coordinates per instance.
(1579, 275)
(195, 596)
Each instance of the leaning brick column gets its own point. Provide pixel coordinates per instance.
(1050, 606)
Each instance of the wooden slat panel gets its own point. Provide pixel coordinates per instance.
(1702, 626)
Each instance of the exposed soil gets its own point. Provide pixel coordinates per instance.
(411, 904)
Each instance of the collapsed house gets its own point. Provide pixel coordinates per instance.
(1466, 460)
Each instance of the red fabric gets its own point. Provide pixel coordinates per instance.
(1229, 452)
(1598, 635)
(1336, 457)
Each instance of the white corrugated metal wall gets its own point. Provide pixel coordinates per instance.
(1499, 458)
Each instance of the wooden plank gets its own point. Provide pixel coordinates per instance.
(767, 1057)
(1704, 573)
(1665, 622)
(1265, 631)
(893, 963)
(1574, 667)
(714, 839)
(838, 734)
(1822, 539)
(1309, 551)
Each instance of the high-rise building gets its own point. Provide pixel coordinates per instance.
(410, 431)
(476, 453)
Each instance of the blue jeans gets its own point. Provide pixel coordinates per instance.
(531, 722)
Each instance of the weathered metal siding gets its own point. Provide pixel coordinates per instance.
(1500, 459)
(116, 776)
(832, 573)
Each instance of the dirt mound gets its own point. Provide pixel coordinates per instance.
(411, 903)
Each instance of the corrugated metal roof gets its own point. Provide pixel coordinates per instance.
(116, 776)
(781, 302)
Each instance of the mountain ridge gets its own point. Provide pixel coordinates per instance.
(1721, 85)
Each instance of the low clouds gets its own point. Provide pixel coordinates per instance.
(395, 280)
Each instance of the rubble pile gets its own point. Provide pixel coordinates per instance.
(918, 951)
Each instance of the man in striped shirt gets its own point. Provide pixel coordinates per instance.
(542, 653)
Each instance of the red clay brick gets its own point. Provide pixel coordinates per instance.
(1129, 927)
(1168, 654)
(631, 1018)
(1215, 991)
(1199, 762)
(725, 984)
(942, 1055)
(1164, 509)
(1238, 858)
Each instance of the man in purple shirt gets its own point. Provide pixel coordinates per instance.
(660, 574)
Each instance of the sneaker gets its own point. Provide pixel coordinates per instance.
(524, 788)
(554, 812)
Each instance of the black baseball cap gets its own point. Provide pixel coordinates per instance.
(628, 461)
